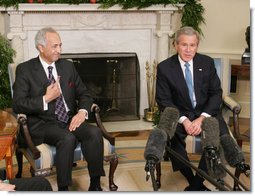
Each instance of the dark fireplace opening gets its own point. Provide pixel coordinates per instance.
(113, 80)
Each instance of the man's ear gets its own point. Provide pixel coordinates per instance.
(40, 48)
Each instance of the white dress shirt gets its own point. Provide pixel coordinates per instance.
(182, 118)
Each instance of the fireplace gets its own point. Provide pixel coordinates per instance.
(113, 80)
(85, 28)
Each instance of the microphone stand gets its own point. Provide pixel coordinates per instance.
(235, 178)
(212, 156)
(241, 168)
(150, 168)
(199, 171)
(223, 183)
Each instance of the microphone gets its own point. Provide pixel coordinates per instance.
(158, 137)
(210, 142)
(233, 154)
(157, 141)
(153, 153)
(155, 146)
(168, 121)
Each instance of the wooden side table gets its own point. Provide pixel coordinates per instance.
(8, 130)
(238, 69)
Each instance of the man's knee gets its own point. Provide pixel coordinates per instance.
(68, 140)
(88, 132)
(95, 132)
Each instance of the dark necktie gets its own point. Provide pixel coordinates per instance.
(188, 78)
(60, 109)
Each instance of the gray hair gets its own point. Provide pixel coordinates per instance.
(186, 31)
(40, 37)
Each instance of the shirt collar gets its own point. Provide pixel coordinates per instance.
(46, 65)
(183, 62)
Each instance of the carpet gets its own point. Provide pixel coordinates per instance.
(130, 174)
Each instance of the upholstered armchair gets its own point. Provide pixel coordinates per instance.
(42, 157)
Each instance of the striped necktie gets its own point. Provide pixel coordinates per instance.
(60, 109)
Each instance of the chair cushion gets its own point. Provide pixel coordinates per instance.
(108, 148)
(197, 147)
(193, 144)
(48, 154)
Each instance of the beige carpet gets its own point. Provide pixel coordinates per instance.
(131, 177)
(130, 174)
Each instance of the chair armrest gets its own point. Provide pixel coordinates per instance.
(107, 135)
(235, 107)
(22, 120)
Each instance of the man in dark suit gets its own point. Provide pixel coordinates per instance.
(188, 81)
(50, 92)
(23, 184)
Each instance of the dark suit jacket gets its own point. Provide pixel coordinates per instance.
(30, 86)
(172, 91)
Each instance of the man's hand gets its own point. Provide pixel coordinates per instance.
(77, 120)
(193, 128)
(6, 186)
(53, 91)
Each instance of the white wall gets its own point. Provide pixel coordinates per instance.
(224, 37)
(226, 22)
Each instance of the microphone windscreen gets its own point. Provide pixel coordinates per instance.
(210, 141)
(210, 133)
(168, 121)
(232, 152)
(155, 145)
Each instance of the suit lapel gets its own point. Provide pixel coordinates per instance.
(180, 80)
(197, 71)
(40, 73)
(62, 74)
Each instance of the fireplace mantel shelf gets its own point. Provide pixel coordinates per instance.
(39, 7)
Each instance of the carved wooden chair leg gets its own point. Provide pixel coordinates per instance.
(239, 142)
(166, 156)
(32, 171)
(19, 158)
(113, 165)
(74, 164)
(158, 174)
(113, 160)
(237, 175)
(241, 169)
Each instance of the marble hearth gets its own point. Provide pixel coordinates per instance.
(85, 28)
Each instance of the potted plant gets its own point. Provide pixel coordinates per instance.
(6, 57)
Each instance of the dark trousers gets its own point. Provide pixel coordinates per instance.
(90, 136)
(31, 184)
(28, 184)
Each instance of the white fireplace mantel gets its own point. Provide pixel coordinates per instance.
(87, 7)
(86, 28)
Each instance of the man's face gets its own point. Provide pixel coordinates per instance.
(52, 50)
(187, 47)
